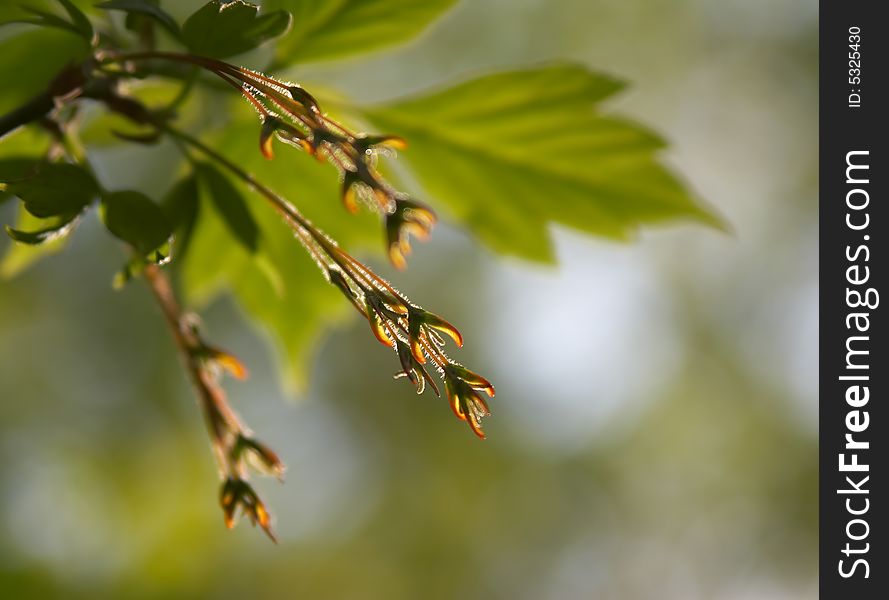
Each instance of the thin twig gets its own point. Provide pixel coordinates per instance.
(219, 416)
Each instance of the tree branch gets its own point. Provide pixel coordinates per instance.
(32, 110)
(66, 85)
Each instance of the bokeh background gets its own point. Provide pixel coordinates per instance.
(655, 428)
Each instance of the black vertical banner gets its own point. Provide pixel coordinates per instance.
(854, 386)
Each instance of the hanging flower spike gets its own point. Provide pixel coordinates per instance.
(266, 136)
(472, 379)
(414, 333)
(306, 99)
(319, 136)
(371, 142)
(224, 360)
(364, 172)
(409, 218)
(379, 315)
(303, 124)
(419, 321)
(273, 126)
(339, 281)
(349, 190)
(238, 493)
(414, 371)
(466, 402)
(258, 455)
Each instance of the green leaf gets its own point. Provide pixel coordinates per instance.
(63, 227)
(182, 208)
(338, 28)
(221, 29)
(147, 8)
(21, 152)
(80, 20)
(19, 257)
(78, 25)
(44, 19)
(15, 168)
(296, 304)
(54, 189)
(132, 217)
(510, 153)
(230, 205)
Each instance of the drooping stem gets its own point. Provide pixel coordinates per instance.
(395, 321)
(219, 416)
(66, 85)
(228, 436)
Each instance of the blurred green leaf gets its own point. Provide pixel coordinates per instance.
(19, 257)
(44, 51)
(104, 128)
(147, 8)
(132, 217)
(78, 19)
(79, 25)
(230, 205)
(21, 152)
(182, 208)
(54, 189)
(221, 28)
(14, 168)
(61, 228)
(16, 9)
(510, 153)
(44, 19)
(338, 28)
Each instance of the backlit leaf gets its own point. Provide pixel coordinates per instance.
(54, 189)
(144, 7)
(21, 152)
(132, 217)
(230, 205)
(182, 209)
(57, 230)
(224, 28)
(338, 28)
(510, 153)
(16, 168)
(19, 257)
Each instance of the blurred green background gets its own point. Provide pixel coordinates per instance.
(655, 427)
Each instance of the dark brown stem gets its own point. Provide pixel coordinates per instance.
(34, 109)
(66, 85)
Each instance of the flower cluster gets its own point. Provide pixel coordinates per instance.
(232, 442)
(415, 334)
(292, 115)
